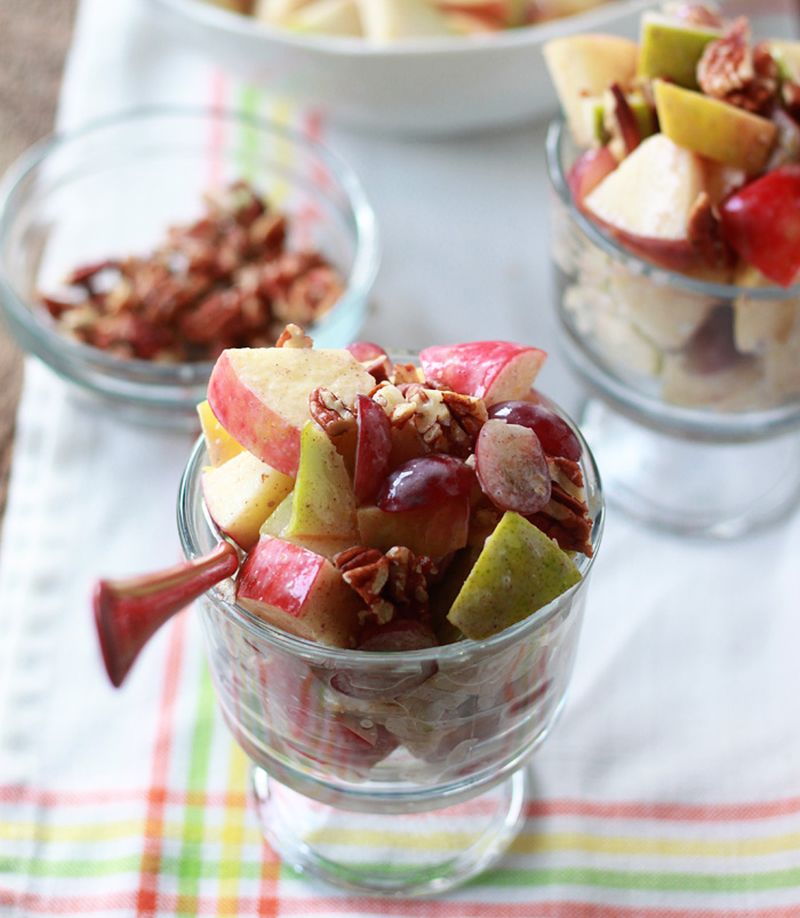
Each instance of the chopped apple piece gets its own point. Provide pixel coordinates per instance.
(324, 505)
(586, 65)
(276, 12)
(652, 192)
(715, 129)
(278, 524)
(434, 531)
(392, 20)
(595, 112)
(787, 56)
(519, 570)
(496, 371)
(241, 494)
(328, 17)
(299, 591)
(671, 49)
(758, 324)
(219, 443)
(260, 395)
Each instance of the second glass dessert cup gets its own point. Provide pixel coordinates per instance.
(358, 758)
(694, 404)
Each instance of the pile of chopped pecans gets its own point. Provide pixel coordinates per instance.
(226, 280)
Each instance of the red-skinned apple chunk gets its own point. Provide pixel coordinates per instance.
(762, 223)
(299, 591)
(496, 371)
(260, 396)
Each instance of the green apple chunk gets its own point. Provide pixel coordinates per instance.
(787, 56)
(586, 65)
(241, 493)
(434, 531)
(715, 129)
(324, 506)
(594, 114)
(278, 524)
(519, 570)
(670, 49)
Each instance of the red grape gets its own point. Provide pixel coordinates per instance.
(424, 482)
(554, 433)
(512, 467)
(373, 448)
(366, 350)
(398, 635)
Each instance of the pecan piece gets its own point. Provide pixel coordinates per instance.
(409, 576)
(366, 571)
(294, 336)
(705, 234)
(730, 70)
(337, 420)
(566, 517)
(698, 15)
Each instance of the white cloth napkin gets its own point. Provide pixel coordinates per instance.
(685, 694)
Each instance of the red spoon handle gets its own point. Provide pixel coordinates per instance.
(127, 613)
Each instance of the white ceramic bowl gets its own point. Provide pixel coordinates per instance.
(423, 87)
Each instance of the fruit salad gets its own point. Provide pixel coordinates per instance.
(688, 159)
(401, 517)
(389, 507)
(386, 21)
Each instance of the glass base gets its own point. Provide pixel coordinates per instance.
(418, 854)
(692, 487)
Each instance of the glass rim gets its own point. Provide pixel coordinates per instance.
(467, 648)
(360, 278)
(238, 24)
(557, 133)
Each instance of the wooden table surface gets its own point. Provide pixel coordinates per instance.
(34, 37)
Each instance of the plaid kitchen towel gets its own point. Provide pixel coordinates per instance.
(670, 787)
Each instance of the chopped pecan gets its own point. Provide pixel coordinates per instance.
(730, 70)
(409, 576)
(406, 373)
(566, 517)
(330, 412)
(447, 422)
(294, 336)
(697, 14)
(705, 234)
(621, 124)
(225, 280)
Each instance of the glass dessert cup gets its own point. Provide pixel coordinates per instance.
(693, 409)
(60, 208)
(382, 749)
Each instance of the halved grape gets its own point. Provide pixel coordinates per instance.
(512, 467)
(554, 433)
(366, 350)
(398, 635)
(424, 482)
(373, 448)
(387, 683)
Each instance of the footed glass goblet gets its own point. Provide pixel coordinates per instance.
(397, 773)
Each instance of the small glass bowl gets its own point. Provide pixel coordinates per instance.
(694, 409)
(113, 188)
(392, 745)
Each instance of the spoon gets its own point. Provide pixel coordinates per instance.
(127, 613)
